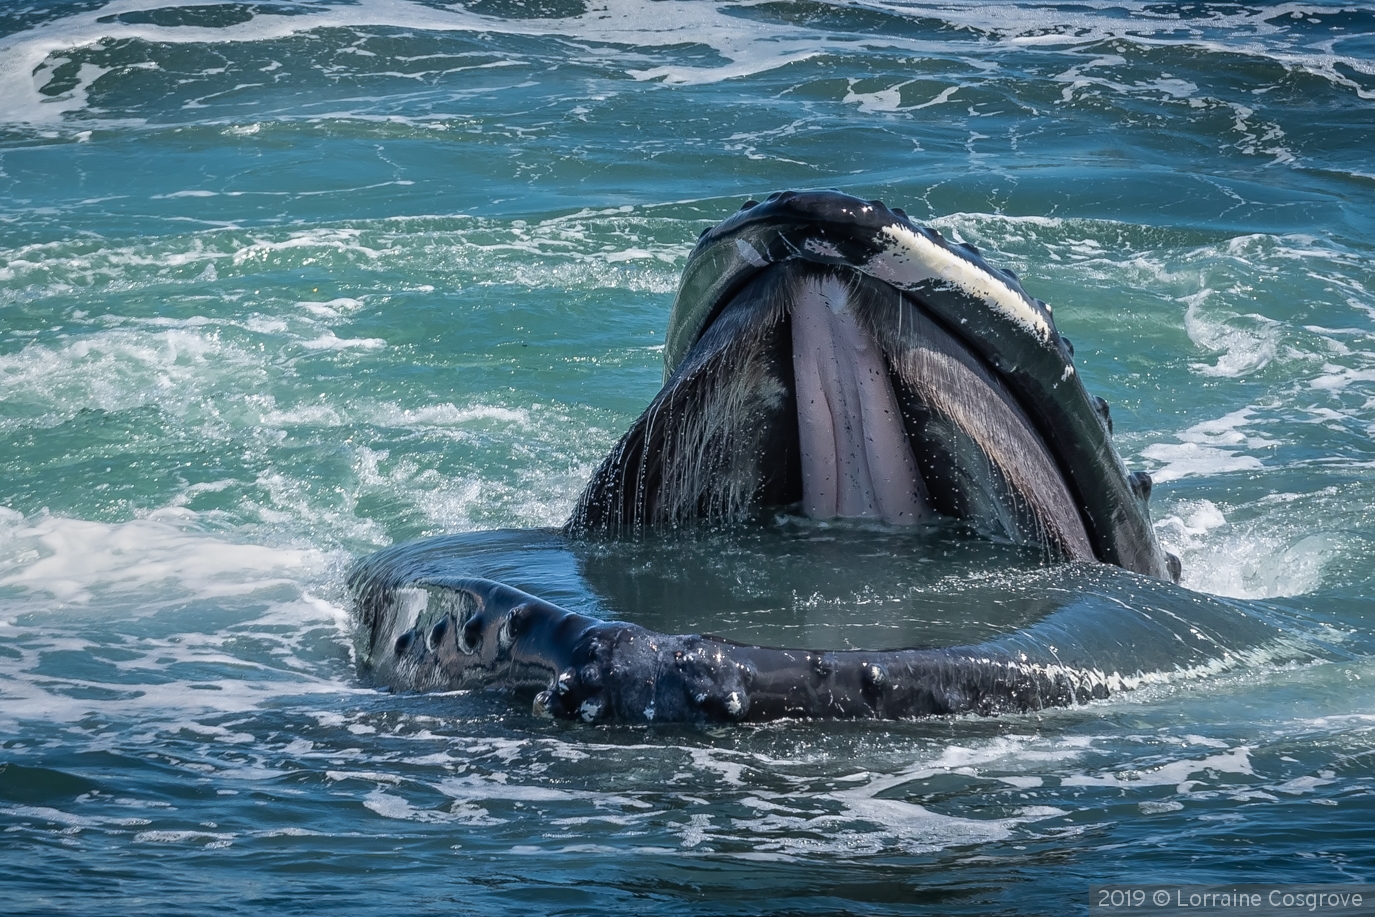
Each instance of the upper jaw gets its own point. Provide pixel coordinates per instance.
(987, 305)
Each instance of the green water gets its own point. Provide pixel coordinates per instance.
(282, 284)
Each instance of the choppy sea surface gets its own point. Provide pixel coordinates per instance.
(283, 283)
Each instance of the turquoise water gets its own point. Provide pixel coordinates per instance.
(284, 283)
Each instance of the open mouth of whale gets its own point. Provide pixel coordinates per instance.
(827, 355)
(829, 392)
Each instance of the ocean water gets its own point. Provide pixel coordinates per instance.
(283, 283)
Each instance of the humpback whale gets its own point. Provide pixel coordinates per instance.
(827, 357)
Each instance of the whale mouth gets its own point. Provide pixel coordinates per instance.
(898, 419)
(826, 391)
(828, 354)
(855, 454)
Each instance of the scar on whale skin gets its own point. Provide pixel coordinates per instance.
(826, 354)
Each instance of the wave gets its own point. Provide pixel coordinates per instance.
(139, 62)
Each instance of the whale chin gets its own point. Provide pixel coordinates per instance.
(826, 357)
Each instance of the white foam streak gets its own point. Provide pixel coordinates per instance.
(1210, 447)
(622, 34)
(1267, 556)
(746, 48)
(1245, 344)
(329, 341)
(581, 250)
(72, 560)
(1174, 773)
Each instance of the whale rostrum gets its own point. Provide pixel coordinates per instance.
(827, 357)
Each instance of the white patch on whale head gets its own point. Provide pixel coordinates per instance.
(750, 254)
(911, 258)
(822, 247)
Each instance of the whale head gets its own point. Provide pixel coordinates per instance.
(829, 356)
